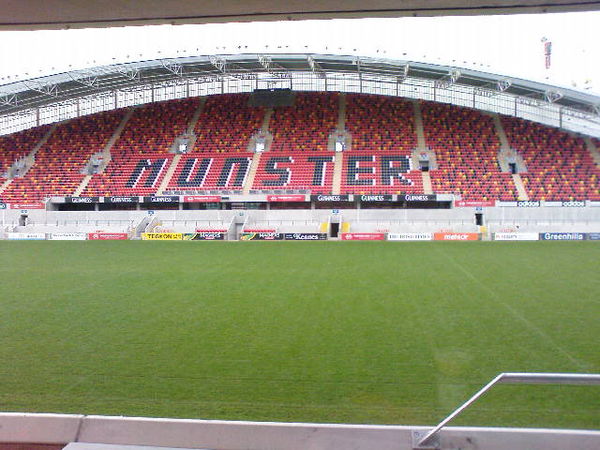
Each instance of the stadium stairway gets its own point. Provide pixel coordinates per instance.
(338, 167)
(341, 123)
(86, 180)
(4, 185)
(252, 173)
(338, 164)
(521, 191)
(106, 156)
(595, 151)
(254, 165)
(504, 144)
(175, 161)
(500, 131)
(30, 158)
(427, 186)
(267, 120)
(421, 144)
(170, 172)
(418, 117)
(196, 117)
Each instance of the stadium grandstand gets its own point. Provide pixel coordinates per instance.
(278, 146)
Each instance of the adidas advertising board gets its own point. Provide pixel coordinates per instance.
(528, 204)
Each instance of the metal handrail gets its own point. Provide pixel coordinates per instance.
(513, 378)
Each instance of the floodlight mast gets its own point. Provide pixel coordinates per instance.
(428, 440)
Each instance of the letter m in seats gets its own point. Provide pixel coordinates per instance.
(148, 168)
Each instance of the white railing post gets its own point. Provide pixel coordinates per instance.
(427, 440)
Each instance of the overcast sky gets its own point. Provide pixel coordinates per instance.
(507, 45)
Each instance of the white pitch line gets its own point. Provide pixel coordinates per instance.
(517, 314)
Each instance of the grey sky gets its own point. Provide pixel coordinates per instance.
(508, 45)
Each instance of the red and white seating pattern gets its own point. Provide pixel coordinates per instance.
(17, 145)
(144, 145)
(306, 126)
(559, 165)
(466, 147)
(382, 130)
(226, 124)
(59, 162)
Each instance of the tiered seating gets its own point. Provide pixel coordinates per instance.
(17, 145)
(466, 148)
(58, 163)
(301, 170)
(306, 126)
(383, 136)
(559, 166)
(226, 124)
(140, 158)
(380, 124)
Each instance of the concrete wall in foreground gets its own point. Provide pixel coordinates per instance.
(56, 428)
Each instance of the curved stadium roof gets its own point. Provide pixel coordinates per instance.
(57, 14)
(34, 102)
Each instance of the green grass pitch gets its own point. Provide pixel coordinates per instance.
(359, 332)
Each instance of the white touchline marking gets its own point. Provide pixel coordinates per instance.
(518, 315)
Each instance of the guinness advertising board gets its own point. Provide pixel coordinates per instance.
(117, 199)
(330, 198)
(376, 198)
(82, 199)
(162, 199)
(418, 197)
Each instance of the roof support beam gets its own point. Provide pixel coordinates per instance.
(553, 95)
(448, 80)
(50, 90)
(86, 78)
(9, 99)
(173, 67)
(315, 67)
(132, 74)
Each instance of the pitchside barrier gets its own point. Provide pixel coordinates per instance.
(220, 235)
(81, 432)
